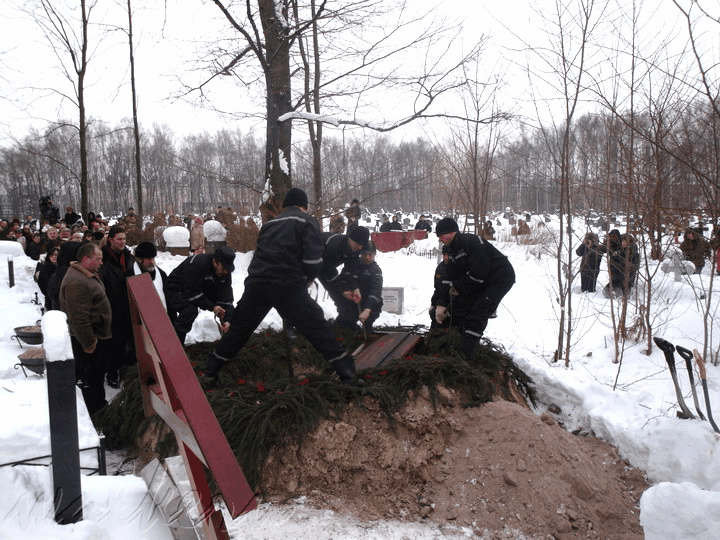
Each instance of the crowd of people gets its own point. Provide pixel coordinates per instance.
(623, 258)
(83, 267)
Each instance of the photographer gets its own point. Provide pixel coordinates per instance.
(591, 254)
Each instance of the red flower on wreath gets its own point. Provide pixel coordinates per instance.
(260, 387)
(241, 381)
(383, 372)
(303, 382)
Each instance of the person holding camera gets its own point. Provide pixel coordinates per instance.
(591, 254)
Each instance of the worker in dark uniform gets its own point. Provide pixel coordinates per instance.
(481, 276)
(201, 281)
(288, 256)
(365, 275)
(341, 249)
(441, 288)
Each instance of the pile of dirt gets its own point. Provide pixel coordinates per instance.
(497, 467)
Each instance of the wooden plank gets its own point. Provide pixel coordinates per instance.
(387, 347)
(162, 362)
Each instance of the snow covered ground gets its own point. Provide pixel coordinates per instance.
(631, 405)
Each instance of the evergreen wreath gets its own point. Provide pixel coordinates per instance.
(278, 389)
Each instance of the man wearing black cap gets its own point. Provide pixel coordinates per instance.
(201, 281)
(364, 275)
(145, 254)
(480, 276)
(288, 255)
(342, 249)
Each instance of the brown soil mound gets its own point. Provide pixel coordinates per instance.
(493, 468)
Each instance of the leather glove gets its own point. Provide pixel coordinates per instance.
(219, 312)
(441, 313)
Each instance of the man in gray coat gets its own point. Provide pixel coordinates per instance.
(83, 300)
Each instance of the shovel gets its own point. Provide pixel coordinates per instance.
(669, 350)
(703, 378)
(687, 356)
(365, 336)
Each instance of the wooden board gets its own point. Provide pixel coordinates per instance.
(387, 347)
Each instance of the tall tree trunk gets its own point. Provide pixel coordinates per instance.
(81, 70)
(136, 126)
(277, 78)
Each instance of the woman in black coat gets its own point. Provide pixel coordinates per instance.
(591, 255)
(45, 270)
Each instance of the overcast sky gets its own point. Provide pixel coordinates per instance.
(166, 39)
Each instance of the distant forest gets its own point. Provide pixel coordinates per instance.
(616, 165)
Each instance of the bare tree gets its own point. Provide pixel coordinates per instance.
(136, 124)
(67, 32)
(567, 60)
(340, 62)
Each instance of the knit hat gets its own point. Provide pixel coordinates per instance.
(295, 197)
(370, 247)
(446, 225)
(145, 250)
(360, 235)
(225, 256)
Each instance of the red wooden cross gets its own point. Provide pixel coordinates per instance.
(171, 390)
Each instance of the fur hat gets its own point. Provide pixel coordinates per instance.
(295, 197)
(145, 250)
(446, 225)
(361, 235)
(225, 256)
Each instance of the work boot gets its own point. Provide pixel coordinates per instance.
(468, 346)
(212, 371)
(345, 368)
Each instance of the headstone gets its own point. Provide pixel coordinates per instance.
(393, 299)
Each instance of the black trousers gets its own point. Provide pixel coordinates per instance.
(588, 280)
(293, 304)
(182, 314)
(90, 373)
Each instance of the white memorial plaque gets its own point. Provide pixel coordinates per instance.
(393, 300)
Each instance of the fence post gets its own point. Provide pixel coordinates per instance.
(62, 407)
(11, 271)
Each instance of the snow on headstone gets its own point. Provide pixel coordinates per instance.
(11, 248)
(177, 237)
(674, 262)
(214, 231)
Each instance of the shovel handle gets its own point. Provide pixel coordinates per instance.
(700, 363)
(685, 353)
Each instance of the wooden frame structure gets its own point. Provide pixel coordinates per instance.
(170, 389)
